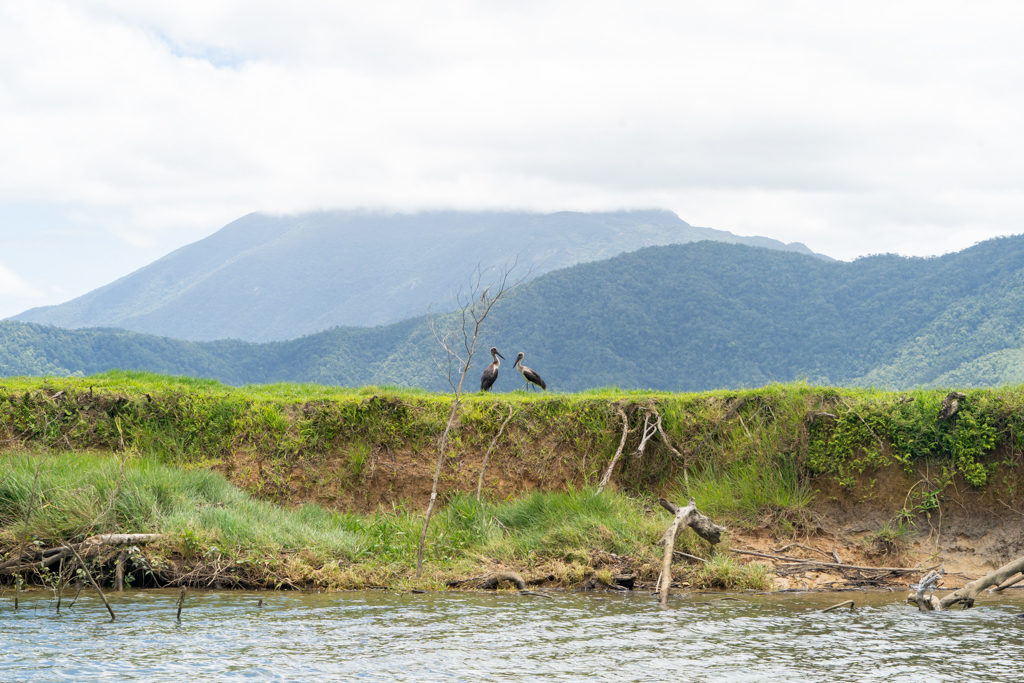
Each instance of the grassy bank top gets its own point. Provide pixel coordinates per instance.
(818, 431)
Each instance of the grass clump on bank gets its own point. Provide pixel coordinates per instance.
(215, 534)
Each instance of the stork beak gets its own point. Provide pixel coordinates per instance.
(499, 355)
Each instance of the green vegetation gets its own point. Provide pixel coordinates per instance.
(324, 486)
(688, 317)
(213, 530)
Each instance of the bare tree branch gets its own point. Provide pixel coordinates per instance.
(475, 305)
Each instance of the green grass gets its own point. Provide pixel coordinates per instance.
(750, 494)
(49, 498)
(69, 496)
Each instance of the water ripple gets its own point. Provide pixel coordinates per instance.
(416, 637)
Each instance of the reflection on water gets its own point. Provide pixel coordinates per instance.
(455, 636)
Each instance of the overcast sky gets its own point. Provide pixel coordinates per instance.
(128, 128)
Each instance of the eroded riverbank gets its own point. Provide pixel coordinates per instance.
(325, 487)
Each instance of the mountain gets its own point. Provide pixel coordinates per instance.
(688, 317)
(266, 278)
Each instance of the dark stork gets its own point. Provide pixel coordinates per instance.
(529, 375)
(491, 371)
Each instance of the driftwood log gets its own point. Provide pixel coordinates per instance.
(685, 516)
(926, 601)
(36, 558)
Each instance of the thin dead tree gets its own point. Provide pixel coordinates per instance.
(458, 337)
(687, 516)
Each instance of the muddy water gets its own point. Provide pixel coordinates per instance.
(455, 636)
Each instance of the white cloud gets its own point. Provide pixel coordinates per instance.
(855, 128)
(11, 284)
(16, 293)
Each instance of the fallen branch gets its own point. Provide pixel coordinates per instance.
(845, 603)
(833, 565)
(47, 557)
(1009, 583)
(492, 582)
(969, 592)
(804, 547)
(686, 516)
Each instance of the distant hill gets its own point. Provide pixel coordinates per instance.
(682, 317)
(265, 278)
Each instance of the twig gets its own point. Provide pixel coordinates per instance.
(688, 556)
(478, 310)
(91, 580)
(800, 545)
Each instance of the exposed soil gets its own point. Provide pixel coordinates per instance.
(967, 535)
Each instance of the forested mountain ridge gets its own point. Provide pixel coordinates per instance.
(682, 317)
(265, 278)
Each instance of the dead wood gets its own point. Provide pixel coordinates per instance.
(966, 595)
(492, 582)
(702, 526)
(442, 447)
(652, 425)
(473, 311)
(804, 547)
(1010, 582)
(92, 580)
(927, 584)
(685, 516)
(845, 603)
(119, 571)
(35, 558)
(622, 443)
(122, 539)
(688, 556)
(668, 444)
(831, 565)
(181, 601)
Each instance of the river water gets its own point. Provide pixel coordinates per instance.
(480, 637)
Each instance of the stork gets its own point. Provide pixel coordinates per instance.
(529, 375)
(491, 371)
